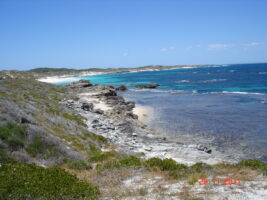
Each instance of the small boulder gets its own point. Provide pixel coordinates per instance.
(122, 88)
(134, 135)
(204, 148)
(87, 106)
(150, 86)
(99, 111)
(80, 84)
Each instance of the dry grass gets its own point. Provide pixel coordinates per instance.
(244, 174)
(109, 182)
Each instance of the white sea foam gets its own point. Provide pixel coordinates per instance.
(213, 80)
(182, 81)
(238, 92)
(262, 73)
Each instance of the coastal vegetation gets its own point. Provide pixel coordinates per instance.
(28, 181)
(47, 152)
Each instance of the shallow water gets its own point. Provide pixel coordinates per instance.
(224, 106)
(233, 123)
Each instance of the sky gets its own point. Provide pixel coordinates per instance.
(130, 33)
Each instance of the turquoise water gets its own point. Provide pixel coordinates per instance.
(222, 106)
(232, 78)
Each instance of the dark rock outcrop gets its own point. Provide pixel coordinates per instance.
(151, 85)
(80, 84)
(99, 111)
(87, 106)
(122, 88)
(204, 148)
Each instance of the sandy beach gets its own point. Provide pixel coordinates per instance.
(143, 112)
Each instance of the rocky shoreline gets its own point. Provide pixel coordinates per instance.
(109, 115)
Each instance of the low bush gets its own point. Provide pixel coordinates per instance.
(78, 120)
(39, 147)
(200, 167)
(4, 157)
(13, 135)
(99, 138)
(254, 164)
(78, 165)
(98, 156)
(28, 181)
(165, 165)
(130, 161)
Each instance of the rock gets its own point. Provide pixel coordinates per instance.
(70, 101)
(23, 120)
(208, 151)
(80, 84)
(95, 121)
(122, 88)
(99, 111)
(87, 106)
(130, 105)
(148, 148)
(130, 114)
(204, 148)
(134, 134)
(151, 85)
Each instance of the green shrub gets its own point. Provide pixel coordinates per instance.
(192, 178)
(93, 148)
(99, 138)
(78, 120)
(254, 164)
(143, 191)
(78, 165)
(200, 167)
(13, 135)
(113, 164)
(165, 165)
(130, 161)
(4, 157)
(28, 181)
(99, 156)
(38, 147)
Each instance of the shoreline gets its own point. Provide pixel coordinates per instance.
(116, 119)
(77, 76)
(143, 112)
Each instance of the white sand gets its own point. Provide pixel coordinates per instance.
(87, 97)
(58, 79)
(142, 111)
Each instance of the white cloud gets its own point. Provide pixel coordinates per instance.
(125, 54)
(251, 44)
(226, 46)
(189, 47)
(219, 46)
(167, 48)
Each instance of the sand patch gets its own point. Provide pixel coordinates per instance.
(142, 111)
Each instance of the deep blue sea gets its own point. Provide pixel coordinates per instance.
(224, 106)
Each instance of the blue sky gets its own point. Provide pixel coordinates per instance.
(130, 33)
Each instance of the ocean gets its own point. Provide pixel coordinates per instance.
(223, 106)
